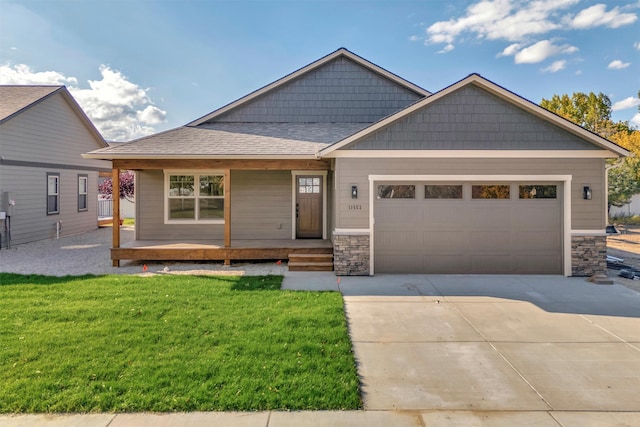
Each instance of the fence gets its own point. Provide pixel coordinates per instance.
(105, 208)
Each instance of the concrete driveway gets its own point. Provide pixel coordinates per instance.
(541, 347)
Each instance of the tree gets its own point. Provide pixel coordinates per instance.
(624, 180)
(127, 186)
(591, 111)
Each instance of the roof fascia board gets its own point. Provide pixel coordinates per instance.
(306, 69)
(496, 90)
(466, 154)
(108, 156)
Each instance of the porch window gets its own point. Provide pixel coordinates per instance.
(82, 192)
(53, 193)
(195, 197)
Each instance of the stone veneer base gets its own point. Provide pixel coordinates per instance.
(588, 255)
(351, 254)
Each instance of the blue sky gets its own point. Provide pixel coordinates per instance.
(139, 67)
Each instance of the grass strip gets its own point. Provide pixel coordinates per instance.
(171, 343)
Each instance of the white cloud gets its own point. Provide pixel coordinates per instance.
(151, 115)
(635, 121)
(447, 48)
(597, 16)
(625, 104)
(512, 20)
(414, 38)
(120, 109)
(556, 66)
(510, 50)
(618, 65)
(542, 50)
(636, 45)
(21, 74)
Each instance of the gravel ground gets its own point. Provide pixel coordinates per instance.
(627, 247)
(89, 254)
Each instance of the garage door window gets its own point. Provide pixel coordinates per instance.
(396, 191)
(443, 191)
(538, 191)
(490, 191)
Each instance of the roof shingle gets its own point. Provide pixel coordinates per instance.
(238, 139)
(15, 98)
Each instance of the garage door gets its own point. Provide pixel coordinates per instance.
(457, 228)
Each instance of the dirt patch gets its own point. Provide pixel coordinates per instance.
(625, 245)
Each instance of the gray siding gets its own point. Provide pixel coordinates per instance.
(30, 221)
(261, 204)
(471, 119)
(260, 208)
(50, 137)
(341, 91)
(585, 214)
(49, 132)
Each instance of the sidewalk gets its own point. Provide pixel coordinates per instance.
(332, 419)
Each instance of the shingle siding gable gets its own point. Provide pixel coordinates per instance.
(471, 119)
(340, 91)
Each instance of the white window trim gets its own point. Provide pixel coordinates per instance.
(196, 174)
(294, 177)
(86, 192)
(566, 204)
(55, 175)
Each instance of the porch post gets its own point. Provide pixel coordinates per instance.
(115, 197)
(227, 212)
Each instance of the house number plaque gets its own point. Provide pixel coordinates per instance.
(355, 207)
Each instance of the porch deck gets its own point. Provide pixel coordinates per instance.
(214, 250)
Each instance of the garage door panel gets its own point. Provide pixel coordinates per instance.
(399, 213)
(496, 240)
(402, 241)
(537, 241)
(445, 214)
(492, 263)
(444, 242)
(537, 264)
(468, 235)
(537, 217)
(444, 264)
(393, 263)
(490, 216)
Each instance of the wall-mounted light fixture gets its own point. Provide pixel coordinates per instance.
(354, 191)
(586, 193)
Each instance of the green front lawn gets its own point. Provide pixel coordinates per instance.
(171, 343)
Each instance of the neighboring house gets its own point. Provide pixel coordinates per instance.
(630, 209)
(346, 157)
(43, 134)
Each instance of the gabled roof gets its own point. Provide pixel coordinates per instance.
(476, 79)
(16, 99)
(233, 140)
(307, 69)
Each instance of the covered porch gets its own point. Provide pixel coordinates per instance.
(203, 250)
(224, 248)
